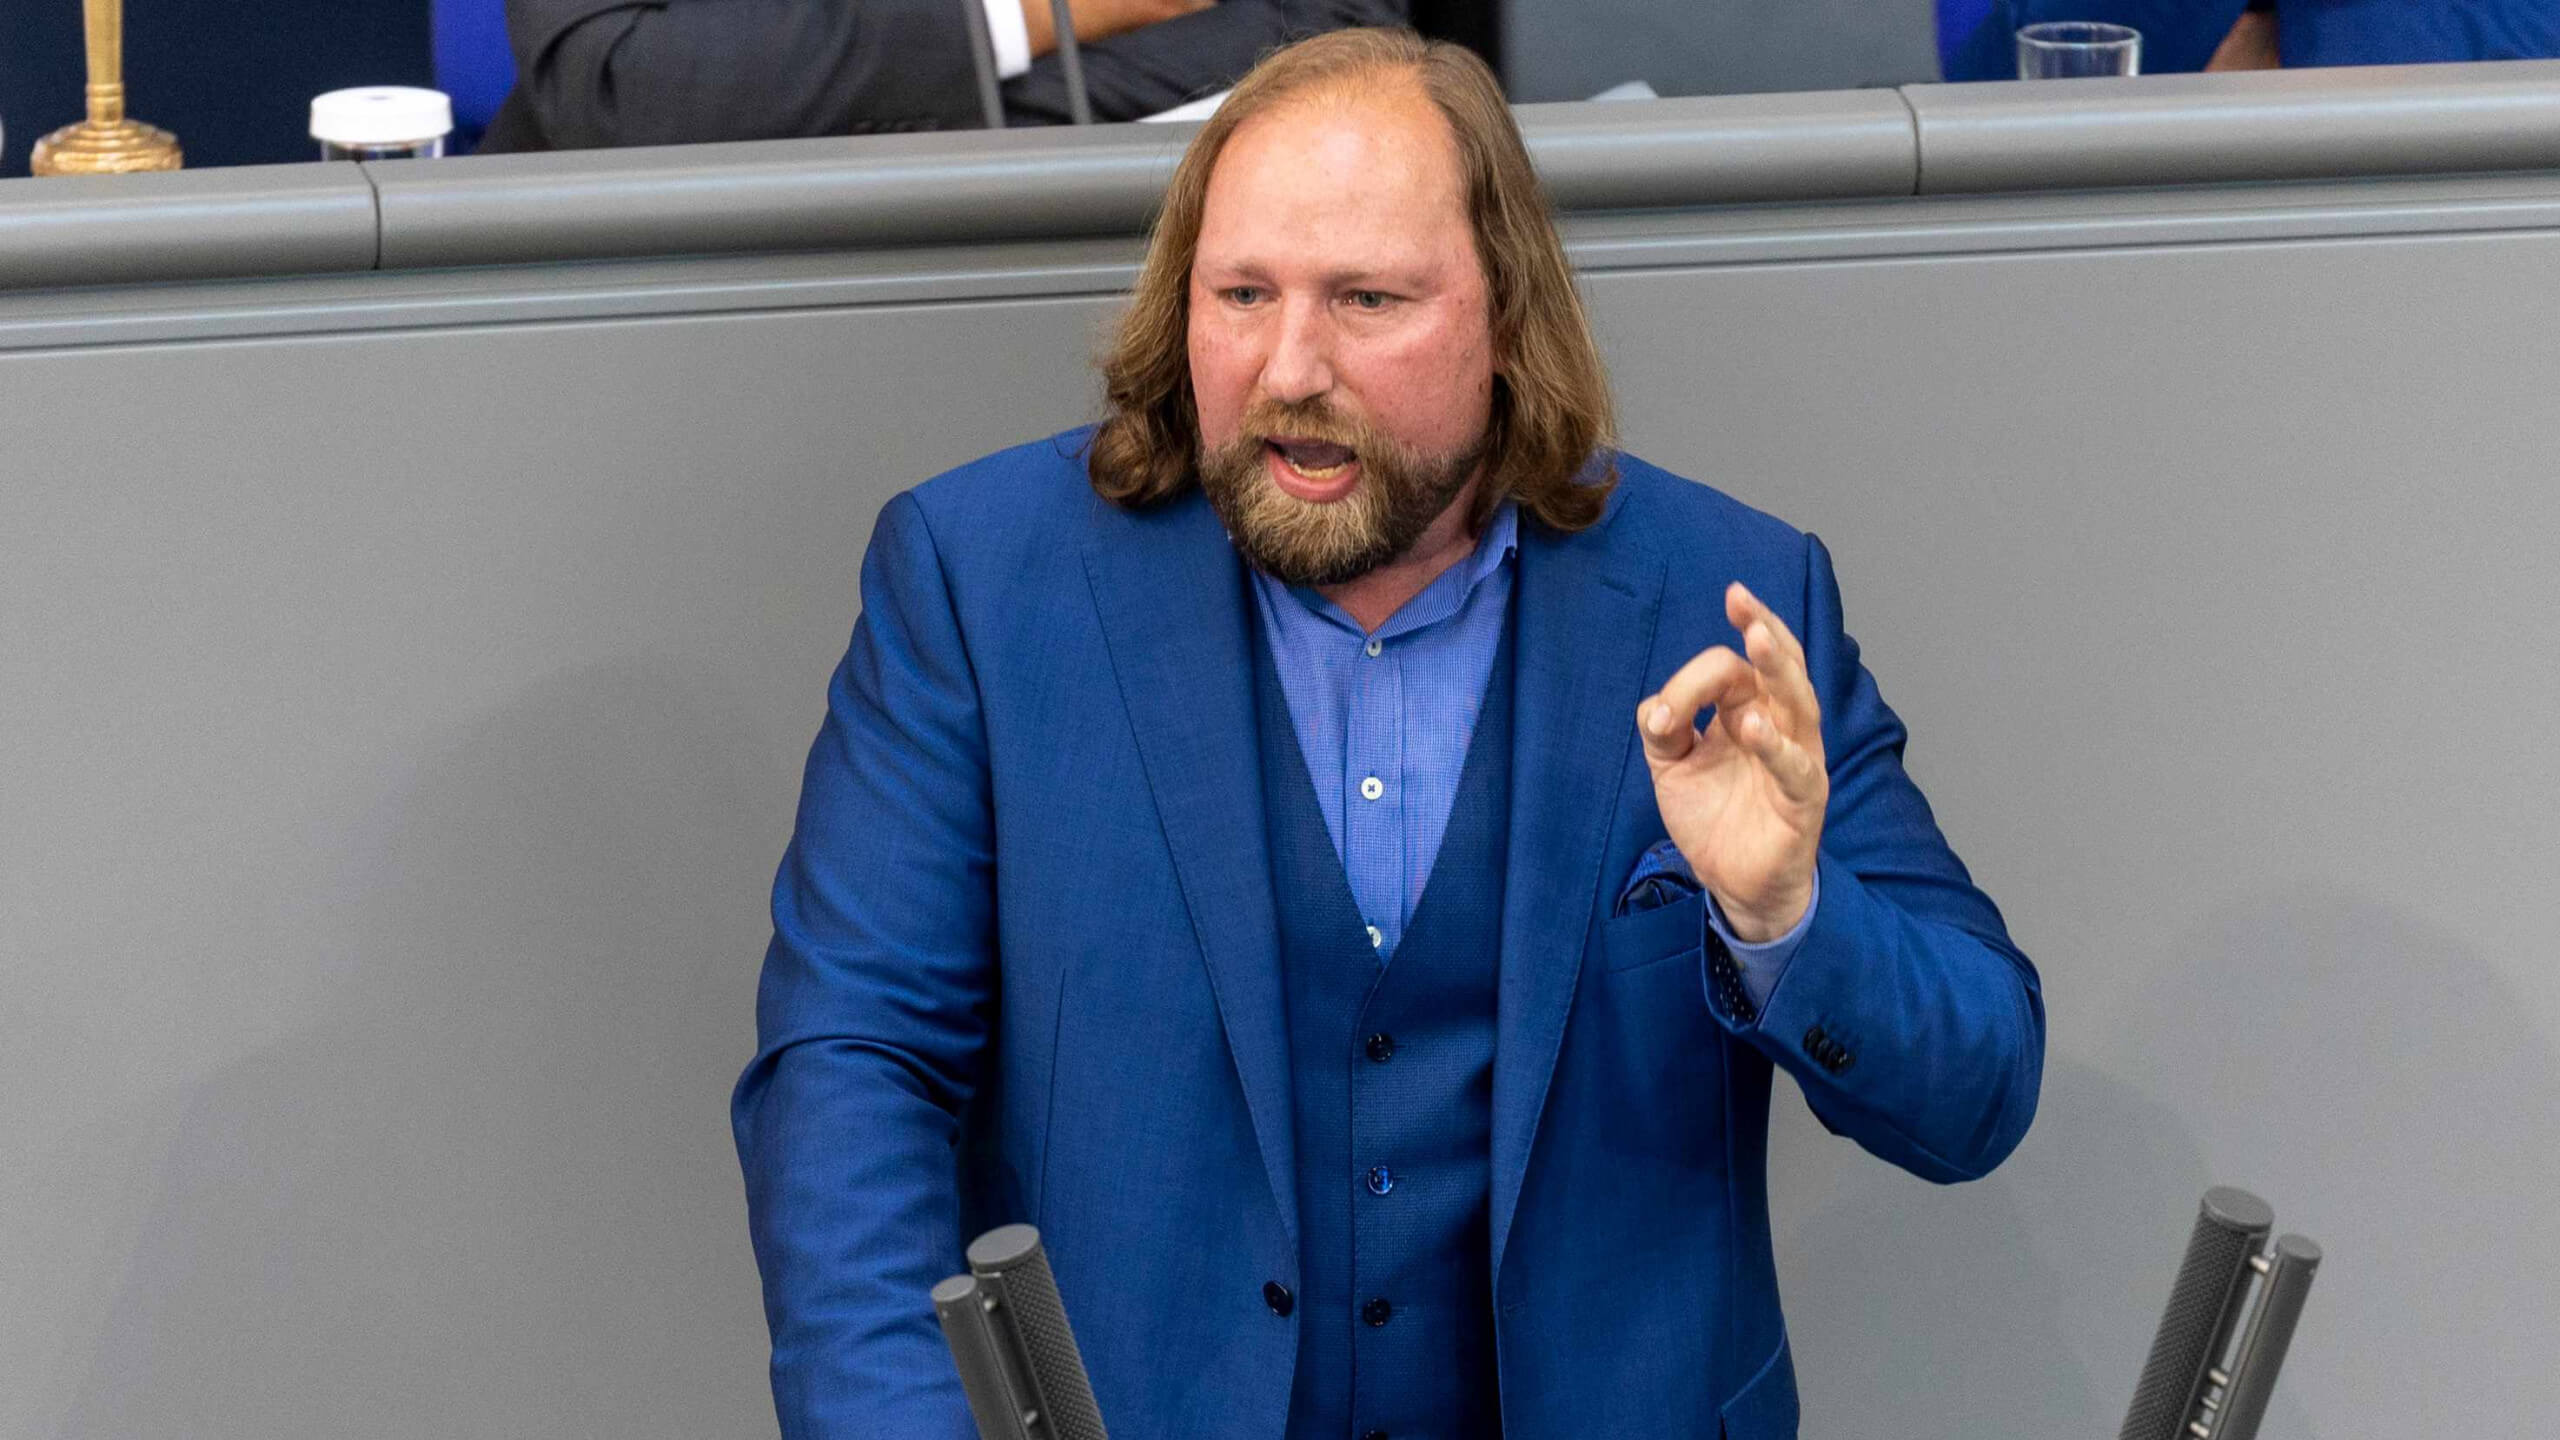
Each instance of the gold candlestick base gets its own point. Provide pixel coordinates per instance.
(117, 148)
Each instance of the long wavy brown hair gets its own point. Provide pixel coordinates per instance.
(1545, 445)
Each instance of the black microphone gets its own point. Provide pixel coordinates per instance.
(2253, 1372)
(2186, 1392)
(1007, 1328)
(2197, 1323)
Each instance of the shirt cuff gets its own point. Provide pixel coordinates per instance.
(1012, 37)
(1761, 965)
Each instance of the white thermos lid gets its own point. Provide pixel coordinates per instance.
(381, 115)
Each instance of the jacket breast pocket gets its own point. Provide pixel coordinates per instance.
(1652, 937)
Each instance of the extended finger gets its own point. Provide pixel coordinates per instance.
(1782, 676)
(1792, 764)
(1775, 652)
(1743, 608)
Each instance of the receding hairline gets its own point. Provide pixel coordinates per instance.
(1360, 89)
(1352, 84)
(1346, 93)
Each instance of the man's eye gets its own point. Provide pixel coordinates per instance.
(1243, 294)
(1369, 299)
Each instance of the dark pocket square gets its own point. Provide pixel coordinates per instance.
(1662, 876)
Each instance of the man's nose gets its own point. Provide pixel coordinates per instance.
(1300, 366)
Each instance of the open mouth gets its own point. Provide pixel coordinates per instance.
(1317, 460)
(1316, 472)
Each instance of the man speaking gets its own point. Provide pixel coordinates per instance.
(1343, 851)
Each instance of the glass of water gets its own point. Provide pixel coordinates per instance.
(2072, 49)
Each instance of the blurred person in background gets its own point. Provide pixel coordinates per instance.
(1975, 36)
(669, 72)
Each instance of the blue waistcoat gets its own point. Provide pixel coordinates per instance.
(1392, 1077)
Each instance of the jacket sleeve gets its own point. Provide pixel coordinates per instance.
(1911, 1022)
(672, 72)
(875, 1006)
(1157, 67)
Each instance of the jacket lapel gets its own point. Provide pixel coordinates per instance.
(1588, 604)
(1169, 590)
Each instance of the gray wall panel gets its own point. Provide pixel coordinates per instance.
(402, 731)
(403, 725)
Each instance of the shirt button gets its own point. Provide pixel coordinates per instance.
(1382, 1047)
(1371, 787)
(1381, 1180)
(1277, 1296)
(1372, 648)
(1378, 1311)
(1377, 938)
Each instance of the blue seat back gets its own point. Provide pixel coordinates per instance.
(473, 62)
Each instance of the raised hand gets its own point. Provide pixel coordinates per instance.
(1743, 795)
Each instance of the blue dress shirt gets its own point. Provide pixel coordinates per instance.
(1384, 719)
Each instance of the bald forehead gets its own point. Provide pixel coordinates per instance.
(1341, 164)
(1383, 118)
(1387, 99)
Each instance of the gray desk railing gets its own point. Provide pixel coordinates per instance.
(986, 186)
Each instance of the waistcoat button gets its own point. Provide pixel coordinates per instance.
(1378, 1311)
(1382, 1047)
(1381, 1180)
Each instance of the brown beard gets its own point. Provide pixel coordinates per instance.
(1297, 542)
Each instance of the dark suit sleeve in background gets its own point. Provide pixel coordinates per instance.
(1160, 66)
(595, 73)
(669, 72)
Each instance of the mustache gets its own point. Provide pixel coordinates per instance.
(1313, 419)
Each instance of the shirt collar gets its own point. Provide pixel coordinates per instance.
(1448, 593)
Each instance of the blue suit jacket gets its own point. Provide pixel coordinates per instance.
(1025, 967)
